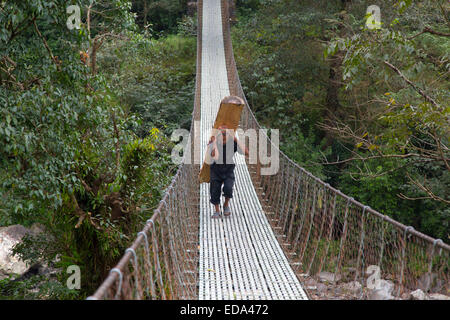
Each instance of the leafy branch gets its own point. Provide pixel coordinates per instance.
(416, 88)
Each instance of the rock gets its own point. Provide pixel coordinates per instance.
(328, 277)
(438, 296)
(321, 288)
(37, 228)
(380, 295)
(431, 282)
(3, 275)
(419, 295)
(405, 296)
(9, 237)
(426, 281)
(439, 285)
(14, 232)
(303, 275)
(310, 282)
(35, 269)
(352, 287)
(383, 291)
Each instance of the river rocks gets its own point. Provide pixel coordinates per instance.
(427, 281)
(419, 295)
(312, 285)
(405, 296)
(383, 291)
(310, 282)
(322, 287)
(431, 282)
(328, 277)
(438, 296)
(9, 237)
(352, 287)
(3, 275)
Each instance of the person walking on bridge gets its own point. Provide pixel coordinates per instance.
(223, 144)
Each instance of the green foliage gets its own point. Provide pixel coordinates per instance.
(47, 115)
(145, 165)
(283, 73)
(403, 71)
(305, 152)
(155, 79)
(247, 7)
(70, 157)
(162, 16)
(35, 288)
(188, 26)
(380, 190)
(341, 101)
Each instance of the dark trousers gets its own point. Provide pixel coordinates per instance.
(221, 175)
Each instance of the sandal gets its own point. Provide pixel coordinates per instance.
(216, 215)
(226, 211)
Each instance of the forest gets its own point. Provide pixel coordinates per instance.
(87, 112)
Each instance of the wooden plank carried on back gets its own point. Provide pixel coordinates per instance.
(229, 115)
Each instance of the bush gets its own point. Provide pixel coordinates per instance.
(70, 157)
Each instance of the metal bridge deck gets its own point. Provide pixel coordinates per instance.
(240, 257)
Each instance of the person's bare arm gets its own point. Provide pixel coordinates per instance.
(212, 144)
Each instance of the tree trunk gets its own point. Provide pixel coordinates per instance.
(145, 13)
(93, 57)
(232, 10)
(334, 84)
(332, 99)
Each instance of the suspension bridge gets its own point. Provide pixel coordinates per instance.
(283, 226)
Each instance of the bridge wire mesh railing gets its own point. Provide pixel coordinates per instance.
(323, 230)
(162, 262)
